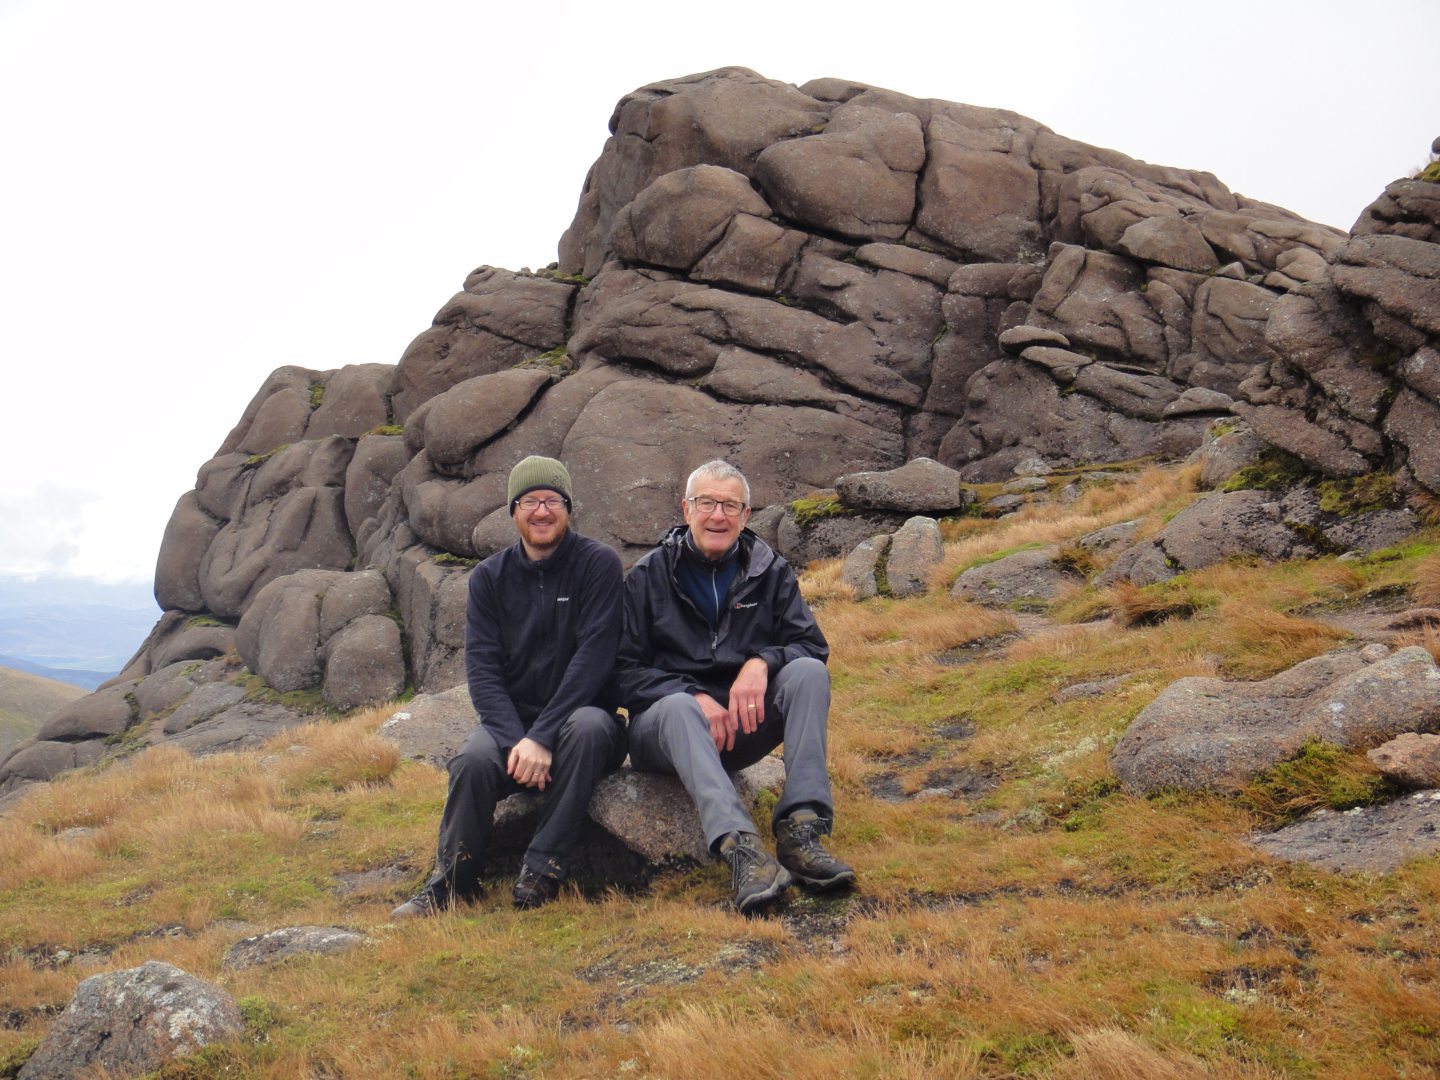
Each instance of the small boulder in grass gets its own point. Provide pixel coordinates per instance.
(276, 945)
(126, 1023)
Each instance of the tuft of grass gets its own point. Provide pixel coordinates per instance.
(386, 429)
(1259, 642)
(317, 394)
(1179, 598)
(1320, 775)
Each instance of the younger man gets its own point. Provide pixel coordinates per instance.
(541, 628)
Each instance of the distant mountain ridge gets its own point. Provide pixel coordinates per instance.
(79, 632)
(77, 677)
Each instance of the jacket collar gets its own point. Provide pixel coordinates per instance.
(755, 555)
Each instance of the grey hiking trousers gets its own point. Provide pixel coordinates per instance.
(672, 736)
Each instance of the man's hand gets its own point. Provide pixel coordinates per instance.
(722, 722)
(529, 764)
(747, 695)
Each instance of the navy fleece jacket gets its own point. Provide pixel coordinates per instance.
(540, 637)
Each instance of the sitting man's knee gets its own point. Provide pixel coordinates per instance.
(590, 723)
(806, 668)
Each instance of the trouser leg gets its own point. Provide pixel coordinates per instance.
(477, 782)
(673, 737)
(591, 743)
(801, 692)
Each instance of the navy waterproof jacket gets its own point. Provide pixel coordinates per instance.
(668, 646)
(540, 637)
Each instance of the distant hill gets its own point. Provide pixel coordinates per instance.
(79, 632)
(80, 678)
(26, 700)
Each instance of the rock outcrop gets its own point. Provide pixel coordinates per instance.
(817, 282)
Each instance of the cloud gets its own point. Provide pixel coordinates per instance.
(57, 530)
(40, 529)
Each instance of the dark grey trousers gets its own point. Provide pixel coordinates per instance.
(591, 743)
(673, 737)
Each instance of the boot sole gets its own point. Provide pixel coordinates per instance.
(782, 882)
(825, 884)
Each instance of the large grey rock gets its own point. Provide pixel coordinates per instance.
(1217, 526)
(104, 713)
(1030, 576)
(38, 760)
(431, 727)
(132, 1022)
(683, 215)
(921, 485)
(275, 946)
(500, 319)
(320, 627)
(364, 663)
(815, 282)
(856, 178)
(1206, 734)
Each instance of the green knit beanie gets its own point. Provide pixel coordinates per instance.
(537, 472)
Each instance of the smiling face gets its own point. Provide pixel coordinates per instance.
(541, 529)
(715, 532)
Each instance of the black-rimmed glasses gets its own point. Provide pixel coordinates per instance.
(705, 505)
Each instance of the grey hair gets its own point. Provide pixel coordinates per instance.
(717, 470)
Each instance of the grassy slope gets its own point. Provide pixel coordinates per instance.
(1045, 925)
(25, 702)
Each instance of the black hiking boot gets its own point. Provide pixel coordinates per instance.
(797, 844)
(755, 876)
(533, 889)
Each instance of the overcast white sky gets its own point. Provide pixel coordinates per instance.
(196, 193)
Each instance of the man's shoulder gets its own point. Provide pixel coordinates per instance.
(592, 552)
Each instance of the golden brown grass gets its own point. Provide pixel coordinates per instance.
(1427, 581)
(1043, 925)
(1049, 523)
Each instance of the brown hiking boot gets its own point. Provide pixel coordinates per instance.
(797, 844)
(755, 876)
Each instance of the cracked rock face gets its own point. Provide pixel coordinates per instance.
(813, 282)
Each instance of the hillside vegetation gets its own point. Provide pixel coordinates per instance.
(1017, 914)
(25, 701)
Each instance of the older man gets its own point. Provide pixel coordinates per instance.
(722, 661)
(541, 628)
